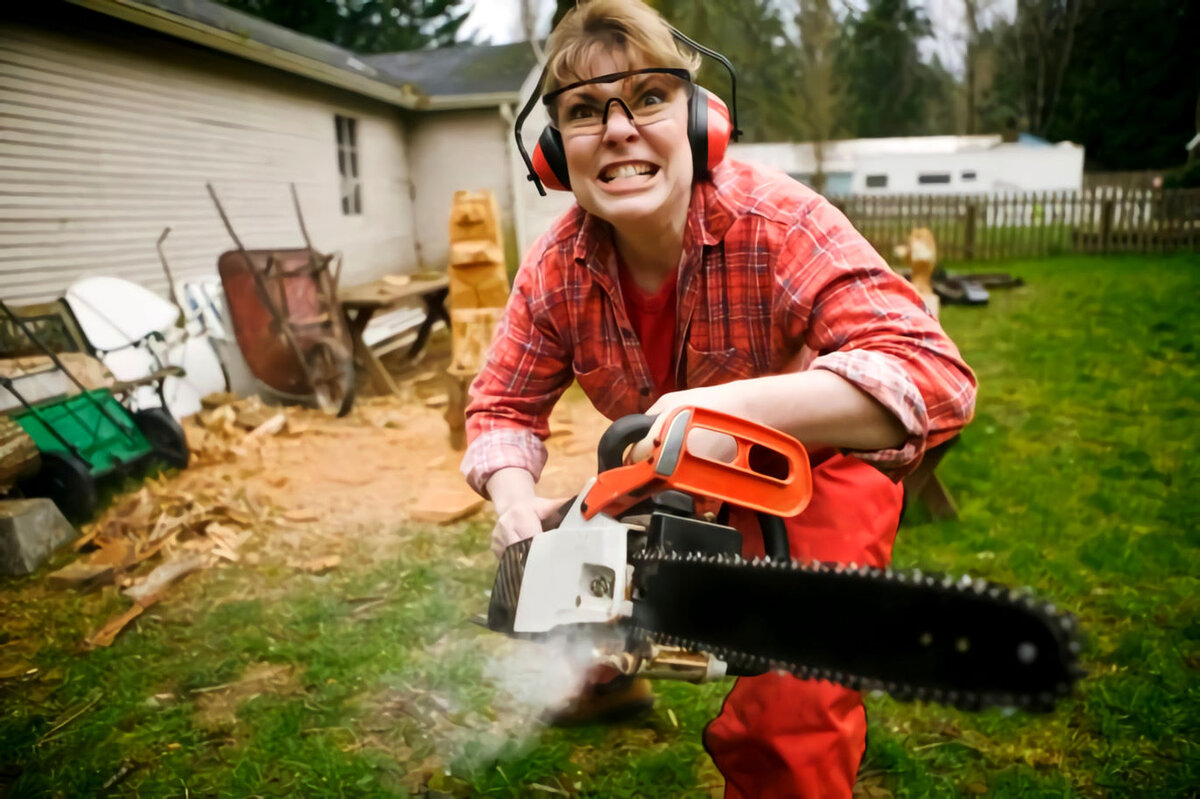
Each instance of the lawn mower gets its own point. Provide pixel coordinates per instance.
(87, 436)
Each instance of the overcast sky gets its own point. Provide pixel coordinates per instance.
(500, 21)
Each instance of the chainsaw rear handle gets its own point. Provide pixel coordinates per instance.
(619, 436)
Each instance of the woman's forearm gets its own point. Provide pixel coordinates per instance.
(819, 407)
(510, 486)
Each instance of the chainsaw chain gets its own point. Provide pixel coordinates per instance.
(1062, 626)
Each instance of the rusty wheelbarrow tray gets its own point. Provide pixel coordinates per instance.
(287, 319)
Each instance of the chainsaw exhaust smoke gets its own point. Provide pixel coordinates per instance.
(521, 685)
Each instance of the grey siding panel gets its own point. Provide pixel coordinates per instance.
(108, 137)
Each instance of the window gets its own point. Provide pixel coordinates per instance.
(347, 146)
(968, 174)
(876, 181)
(934, 177)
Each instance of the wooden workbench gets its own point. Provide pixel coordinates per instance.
(362, 302)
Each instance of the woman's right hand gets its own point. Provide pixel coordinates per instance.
(523, 520)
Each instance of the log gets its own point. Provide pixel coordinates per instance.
(18, 454)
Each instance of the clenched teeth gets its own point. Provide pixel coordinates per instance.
(626, 171)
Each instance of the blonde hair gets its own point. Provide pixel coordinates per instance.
(626, 26)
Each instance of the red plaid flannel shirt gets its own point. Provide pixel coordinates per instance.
(772, 278)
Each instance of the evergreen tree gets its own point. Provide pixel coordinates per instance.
(366, 26)
(817, 78)
(752, 35)
(1130, 89)
(884, 74)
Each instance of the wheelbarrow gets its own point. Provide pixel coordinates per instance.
(85, 437)
(289, 325)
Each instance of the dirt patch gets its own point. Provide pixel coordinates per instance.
(360, 478)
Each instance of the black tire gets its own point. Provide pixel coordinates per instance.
(67, 481)
(168, 443)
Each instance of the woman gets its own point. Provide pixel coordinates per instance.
(735, 289)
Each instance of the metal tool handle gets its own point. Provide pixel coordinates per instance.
(619, 436)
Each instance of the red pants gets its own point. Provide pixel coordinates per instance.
(779, 736)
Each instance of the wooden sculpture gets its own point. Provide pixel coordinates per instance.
(478, 293)
(920, 255)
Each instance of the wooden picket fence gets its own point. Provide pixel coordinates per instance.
(1032, 224)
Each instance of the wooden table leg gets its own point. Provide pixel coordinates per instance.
(939, 503)
(456, 419)
(924, 484)
(362, 352)
(435, 309)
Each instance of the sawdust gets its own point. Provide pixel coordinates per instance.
(292, 485)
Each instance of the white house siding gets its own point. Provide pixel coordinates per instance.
(455, 151)
(108, 134)
(537, 213)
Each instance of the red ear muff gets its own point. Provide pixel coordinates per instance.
(550, 162)
(709, 130)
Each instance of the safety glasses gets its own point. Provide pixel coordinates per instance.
(583, 107)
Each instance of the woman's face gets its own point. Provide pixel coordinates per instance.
(627, 173)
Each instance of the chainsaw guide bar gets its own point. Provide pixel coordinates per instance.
(962, 642)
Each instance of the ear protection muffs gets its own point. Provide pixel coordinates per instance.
(708, 131)
(710, 128)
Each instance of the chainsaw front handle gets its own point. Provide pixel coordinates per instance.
(769, 472)
(620, 435)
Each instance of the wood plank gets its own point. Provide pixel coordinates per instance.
(1143, 221)
(983, 226)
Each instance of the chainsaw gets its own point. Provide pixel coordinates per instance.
(667, 592)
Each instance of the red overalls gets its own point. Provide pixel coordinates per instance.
(779, 736)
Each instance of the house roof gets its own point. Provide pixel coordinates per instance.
(222, 28)
(463, 76)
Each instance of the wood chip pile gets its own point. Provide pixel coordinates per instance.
(147, 540)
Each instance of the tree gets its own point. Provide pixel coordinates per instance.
(1039, 46)
(889, 83)
(366, 26)
(820, 32)
(561, 7)
(979, 63)
(752, 35)
(1119, 78)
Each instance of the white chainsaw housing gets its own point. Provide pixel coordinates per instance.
(577, 573)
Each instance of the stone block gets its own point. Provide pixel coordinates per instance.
(30, 531)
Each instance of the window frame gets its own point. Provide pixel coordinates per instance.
(349, 166)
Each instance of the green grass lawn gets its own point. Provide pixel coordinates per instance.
(1076, 478)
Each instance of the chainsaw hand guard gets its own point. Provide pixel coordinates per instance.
(768, 473)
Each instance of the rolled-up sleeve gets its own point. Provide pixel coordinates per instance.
(868, 325)
(527, 369)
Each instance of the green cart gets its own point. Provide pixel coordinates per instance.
(87, 436)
